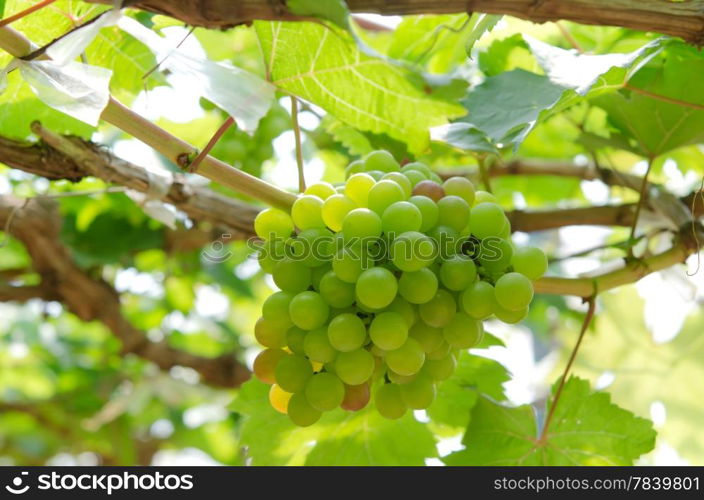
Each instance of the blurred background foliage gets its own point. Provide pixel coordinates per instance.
(68, 394)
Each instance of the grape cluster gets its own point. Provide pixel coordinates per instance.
(383, 280)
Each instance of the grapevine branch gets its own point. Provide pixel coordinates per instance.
(176, 150)
(680, 19)
(553, 406)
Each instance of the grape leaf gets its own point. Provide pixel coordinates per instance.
(586, 429)
(653, 125)
(19, 107)
(339, 438)
(324, 66)
(332, 10)
(354, 140)
(2, 8)
(506, 106)
(646, 372)
(457, 395)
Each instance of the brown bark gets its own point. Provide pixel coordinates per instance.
(682, 19)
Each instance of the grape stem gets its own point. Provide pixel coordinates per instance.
(211, 143)
(641, 199)
(16, 17)
(299, 148)
(176, 150)
(553, 405)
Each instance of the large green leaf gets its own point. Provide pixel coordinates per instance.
(339, 438)
(645, 372)
(586, 429)
(323, 65)
(656, 126)
(457, 395)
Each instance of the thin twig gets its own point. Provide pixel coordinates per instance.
(568, 36)
(553, 405)
(211, 144)
(484, 173)
(299, 148)
(25, 12)
(639, 206)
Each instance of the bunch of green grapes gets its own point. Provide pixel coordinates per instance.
(383, 281)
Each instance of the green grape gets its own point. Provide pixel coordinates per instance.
(361, 224)
(291, 276)
(487, 220)
(388, 331)
(334, 210)
(460, 186)
(429, 337)
(269, 334)
(440, 310)
(383, 194)
(429, 212)
(454, 212)
(513, 291)
(380, 160)
(355, 367)
(389, 402)
(414, 177)
(272, 251)
(349, 263)
(447, 241)
(405, 309)
(356, 397)
(439, 353)
(407, 359)
(428, 188)
(418, 287)
(357, 188)
(275, 309)
(419, 167)
(401, 180)
(313, 247)
(510, 317)
(530, 262)
(295, 337)
(324, 391)
(292, 372)
(317, 347)
(412, 251)
(346, 332)
(322, 190)
(463, 332)
(505, 232)
(400, 217)
(484, 197)
(458, 272)
(419, 393)
(272, 223)
(265, 364)
(440, 369)
(278, 399)
(308, 310)
(301, 412)
(399, 379)
(335, 292)
(478, 300)
(495, 254)
(317, 274)
(376, 288)
(306, 212)
(356, 167)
